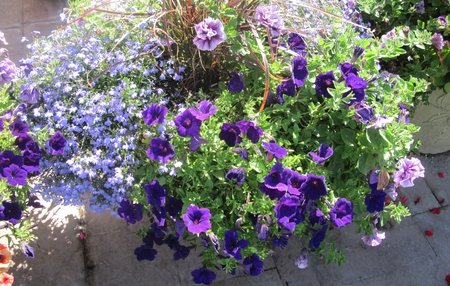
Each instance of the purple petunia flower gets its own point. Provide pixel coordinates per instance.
(205, 109)
(159, 214)
(342, 213)
(288, 213)
(154, 114)
(20, 108)
(325, 152)
(145, 252)
(438, 41)
(238, 174)
(316, 217)
(314, 187)
(232, 246)
(274, 150)
(379, 121)
(33, 201)
(30, 95)
(21, 141)
(230, 134)
(254, 133)
(324, 81)
(374, 239)
(442, 21)
(263, 233)
(242, 153)
(209, 34)
(363, 112)
(273, 193)
(203, 276)
(281, 241)
(160, 150)
(129, 211)
(15, 175)
(357, 52)
(266, 15)
(287, 87)
(27, 250)
(346, 69)
(296, 44)
(253, 265)
(7, 116)
(404, 112)
(57, 143)
(188, 124)
(278, 177)
(407, 171)
(174, 206)
(181, 252)
(7, 158)
(358, 87)
(31, 158)
(375, 201)
(18, 128)
(299, 70)
(8, 71)
(318, 237)
(12, 212)
(156, 194)
(295, 182)
(236, 83)
(197, 220)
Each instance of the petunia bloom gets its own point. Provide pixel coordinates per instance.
(8, 72)
(375, 201)
(324, 81)
(154, 114)
(232, 245)
(318, 237)
(209, 34)
(236, 83)
(346, 69)
(296, 44)
(273, 193)
(363, 112)
(324, 153)
(12, 212)
(129, 211)
(242, 153)
(160, 150)
(342, 213)
(404, 112)
(27, 250)
(407, 171)
(379, 121)
(188, 124)
(7, 158)
(438, 41)
(30, 95)
(196, 141)
(358, 87)
(253, 265)
(156, 194)
(6, 279)
(196, 219)
(299, 70)
(15, 175)
(288, 213)
(203, 276)
(302, 259)
(5, 259)
(314, 187)
(266, 15)
(57, 143)
(295, 182)
(442, 21)
(274, 150)
(287, 87)
(374, 239)
(238, 174)
(230, 134)
(174, 206)
(205, 109)
(357, 52)
(278, 177)
(18, 128)
(145, 252)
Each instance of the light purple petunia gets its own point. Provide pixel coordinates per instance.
(438, 41)
(15, 175)
(363, 112)
(209, 34)
(205, 109)
(274, 150)
(407, 171)
(30, 95)
(374, 239)
(442, 21)
(267, 15)
(324, 153)
(342, 213)
(154, 114)
(8, 71)
(196, 219)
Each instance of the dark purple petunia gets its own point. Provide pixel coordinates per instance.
(244, 125)
(180, 228)
(254, 133)
(375, 201)
(358, 87)
(18, 128)
(242, 153)
(232, 246)
(253, 265)
(274, 150)
(172, 241)
(363, 112)
(281, 241)
(287, 87)
(31, 159)
(236, 83)
(15, 175)
(357, 52)
(314, 187)
(174, 206)
(203, 276)
(196, 219)
(57, 143)
(196, 141)
(145, 252)
(296, 44)
(238, 174)
(295, 182)
(12, 212)
(154, 114)
(7, 158)
(299, 70)
(273, 193)
(181, 252)
(30, 95)
(205, 109)
(346, 69)
(21, 141)
(209, 34)
(156, 194)
(316, 217)
(188, 124)
(33, 201)
(230, 134)
(324, 153)
(27, 250)
(342, 213)
(318, 237)
(324, 81)
(160, 150)
(129, 211)
(287, 212)
(404, 112)
(278, 177)
(159, 214)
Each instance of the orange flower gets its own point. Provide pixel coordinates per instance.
(6, 279)
(5, 258)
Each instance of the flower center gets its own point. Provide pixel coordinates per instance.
(164, 149)
(187, 123)
(196, 222)
(328, 83)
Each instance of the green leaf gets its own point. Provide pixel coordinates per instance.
(349, 136)
(366, 163)
(447, 88)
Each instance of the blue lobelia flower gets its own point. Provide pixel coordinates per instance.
(232, 245)
(209, 34)
(324, 81)
(160, 150)
(324, 153)
(203, 276)
(197, 219)
(314, 187)
(154, 114)
(129, 211)
(342, 213)
(236, 83)
(187, 124)
(238, 174)
(299, 70)
(375, 201)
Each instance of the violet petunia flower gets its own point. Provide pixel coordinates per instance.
(232, 246)
(188, 124)
(205, 109)
(316, 217)
(31, 159)
(159, 214)
(314, 187)
(8, 72)
(295, 182)
(27, 250)
(287, 87)
(160, 150)
(145, 252)
(404, 112)
(18, 128)
(263, 233)
(442, 21)
(238, 174)
(281, 241)
(129, 211)
(324, 81)
(236, 83)
(346, 69)
(196, 141)
(7, 158)
(374, 239)
(203, 276)
(174, 206)
(274, 150)
(196, 219)
(379, 121)
(12, 212)
(299, 70)
(407, 171)
(30, 95)
(357, 52)
(358, 87)
(297, 44)
(363, 112)
(288, 212)
(15, 175)
(254, 133)
(20, 108)
(375, 201)
(253, 265)
(242, 153)
(230, 134)
(154, 114)
(278, 177)
(273, 193)
(318, 237)
(57, 143)
(7, 116)
(209, 34)
(21, 141)
(342, 213)
(324, 153)
(156, 194)
(438, 41)
(266, 15)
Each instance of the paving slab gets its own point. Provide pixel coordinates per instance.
(267, 278)
(439, 185)
(11, 14)
(420, 197)
(35, 11)
(16, 49)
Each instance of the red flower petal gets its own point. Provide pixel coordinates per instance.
(435, 211)
(441, 175)
(387, 201)
(447, 278)
(82, 236)
(442, 201)
(429, 233)
(417, 200)
(403, 200)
